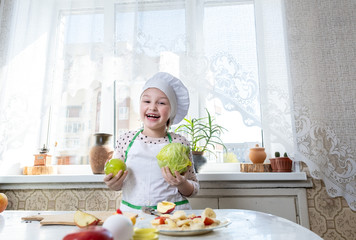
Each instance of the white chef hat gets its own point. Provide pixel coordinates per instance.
(175, 91)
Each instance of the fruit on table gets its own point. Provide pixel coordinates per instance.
(120, 226)
(90, 233)
(83, 219)
(3, 202)
(159, 220)
(208, 221)
(165, 207)
(180, 221)
(208, 212)
(114, 166)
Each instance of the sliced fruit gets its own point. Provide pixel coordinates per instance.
(183, 222)
(171, 223)
(161, 220)
(179, 215)
(208, 212)
(155, 222)
(83, 219)
(118, 211)
(133, 219)
(165, 207)
(198, 220)
(208, 221)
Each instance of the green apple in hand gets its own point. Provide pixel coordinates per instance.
(114, 166)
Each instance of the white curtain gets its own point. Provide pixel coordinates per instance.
(64, 61)
(322, 50)
(53, 72)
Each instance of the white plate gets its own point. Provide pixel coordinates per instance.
(224, 222)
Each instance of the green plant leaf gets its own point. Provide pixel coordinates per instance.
(202, 132)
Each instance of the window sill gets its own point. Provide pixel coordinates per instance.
(71, 181)
(98, 178)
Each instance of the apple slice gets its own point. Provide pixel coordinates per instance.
(159, 220)
(83, 219)
(165, 207)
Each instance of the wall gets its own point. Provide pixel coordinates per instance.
(330, 218)
(63, 199)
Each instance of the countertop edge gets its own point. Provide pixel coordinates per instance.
(98, 178)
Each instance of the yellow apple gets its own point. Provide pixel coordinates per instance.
(165, 207)
(83, 219)
(3, 202)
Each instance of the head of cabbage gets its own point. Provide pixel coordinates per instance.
(175, 156)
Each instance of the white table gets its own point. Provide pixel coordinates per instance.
(245, 224)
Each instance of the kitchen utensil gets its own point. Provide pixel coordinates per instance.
(151, 211)
(68, 218)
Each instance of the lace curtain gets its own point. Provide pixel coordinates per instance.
(55, 83)
(306, 76)
(322, 50)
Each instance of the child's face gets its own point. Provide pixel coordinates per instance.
(155, 109)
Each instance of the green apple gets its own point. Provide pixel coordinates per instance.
(114, 166)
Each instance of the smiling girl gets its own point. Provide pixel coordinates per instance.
(164, 101)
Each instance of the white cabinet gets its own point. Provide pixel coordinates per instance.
(286, 199)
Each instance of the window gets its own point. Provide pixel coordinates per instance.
(229, 47)
(123, 113)
(97, 55)
(73, 111)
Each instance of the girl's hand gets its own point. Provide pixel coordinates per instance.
(183, 185)
(115, 183)
(172, 180)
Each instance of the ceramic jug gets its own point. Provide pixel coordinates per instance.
(257, 154)
(100, 152)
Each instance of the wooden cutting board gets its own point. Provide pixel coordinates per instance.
(68, 218)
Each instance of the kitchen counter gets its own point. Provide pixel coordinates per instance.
(245, 224)
(280, 194)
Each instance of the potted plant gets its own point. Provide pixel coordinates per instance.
(203, 134)
(281, 164)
